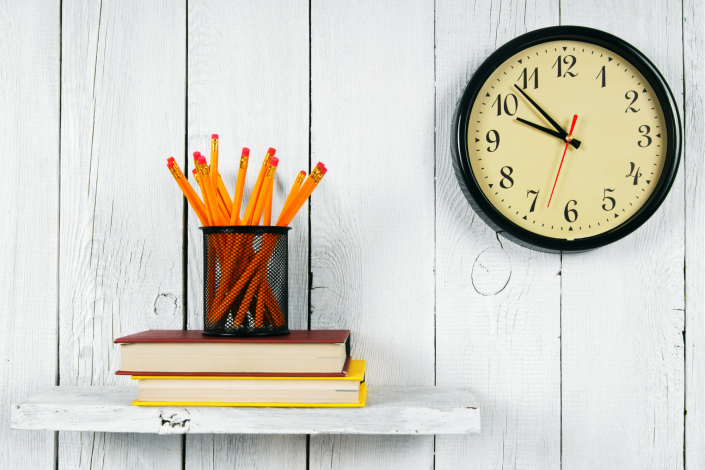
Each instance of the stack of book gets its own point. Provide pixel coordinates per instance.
(304, 368)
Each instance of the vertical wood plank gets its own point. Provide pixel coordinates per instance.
(372, 216)
(694, 125)
(497, 304)
(623, 305)
(123, 114)
(248, 81)
(29, 132)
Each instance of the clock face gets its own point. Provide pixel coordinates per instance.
(539, 177)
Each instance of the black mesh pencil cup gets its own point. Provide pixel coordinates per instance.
(246, 281)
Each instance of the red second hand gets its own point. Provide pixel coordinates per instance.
(570, 135)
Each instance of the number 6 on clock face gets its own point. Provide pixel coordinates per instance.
(524, 172)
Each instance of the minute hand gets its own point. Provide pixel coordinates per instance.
(564, 134)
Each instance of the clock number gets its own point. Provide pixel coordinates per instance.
(495, 141)
(567, 212)
(636, 97)
(645, 133)
(506, 176)
(533, 204)
(636, 175)
(606, 197)
(565, 61)
(534, 75)
(498, 102)
(604, 78)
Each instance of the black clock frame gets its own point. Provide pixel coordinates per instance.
(459, 138)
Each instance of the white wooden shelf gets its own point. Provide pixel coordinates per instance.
(401, 410)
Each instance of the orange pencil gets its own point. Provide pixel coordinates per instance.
(247, 218)
(239, 187)
(264, 192)
(222, 205)
(302, 195)
(188, 191)
(214, 155)
(294, 189)
(204, 195)
(268, 207)
(210, 196)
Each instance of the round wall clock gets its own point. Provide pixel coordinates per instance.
(566, 139)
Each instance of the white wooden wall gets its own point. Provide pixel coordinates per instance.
(590, 360)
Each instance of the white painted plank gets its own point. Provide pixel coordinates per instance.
(248, 82)
(123, 92)
(622, 305)
(694, 152)
(29, 132)
(372, 215)
(389, 410)
(497, 304)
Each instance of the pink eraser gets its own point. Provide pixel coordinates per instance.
(202, 159)
(170, 159)
(320, 165)
(302, 172)
(194, 171)
(271, 151)
(324, 170)
(214, 136)
(196, 154)
(274, 161)
(245, 152)
(170, 164)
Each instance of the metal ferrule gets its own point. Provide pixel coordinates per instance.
(214, 145)
(300, 178)
(203, 169)
(175, 171)
(267, 158)
(271, 171)
(243, 161)
(316, 175)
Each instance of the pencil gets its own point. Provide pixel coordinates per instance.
(294, 189)
(264, 192)
(302, 195)
(188, 191)
(214, 155)
(268, 207)
(240, 186)
(247, 218)
(210, 196)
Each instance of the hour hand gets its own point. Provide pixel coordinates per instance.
(575, 142)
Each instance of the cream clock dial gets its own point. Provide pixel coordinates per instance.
(566, 141)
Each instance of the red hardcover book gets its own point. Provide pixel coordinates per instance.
(311, 353)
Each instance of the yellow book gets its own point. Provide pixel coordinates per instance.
(300, 391)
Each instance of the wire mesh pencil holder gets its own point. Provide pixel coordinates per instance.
(246, 281)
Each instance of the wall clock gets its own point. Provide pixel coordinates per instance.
(566, 139)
